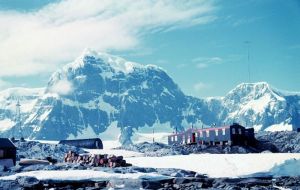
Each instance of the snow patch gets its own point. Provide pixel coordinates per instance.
(218, 165)
(145, 134)
(257, 128)
(258, 106)
(6, 124)
(280, 127)
(112, 133)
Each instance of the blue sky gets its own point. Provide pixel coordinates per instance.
(201, 45)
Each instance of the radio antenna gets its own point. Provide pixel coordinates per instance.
(248, 59)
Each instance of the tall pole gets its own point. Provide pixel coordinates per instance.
(153, 135)
(248, 59)
(18, 119)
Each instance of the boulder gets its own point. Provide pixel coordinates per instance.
(28, 182)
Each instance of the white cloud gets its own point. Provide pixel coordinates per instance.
(201, 86)
(62, 87)
(204, 62)
(36, 42)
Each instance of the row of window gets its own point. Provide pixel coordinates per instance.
(233, 131)
(200, 134)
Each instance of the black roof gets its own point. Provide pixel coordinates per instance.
(6, 143)
(82, 140)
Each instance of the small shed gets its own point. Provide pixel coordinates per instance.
(8, 152)
(94, 143)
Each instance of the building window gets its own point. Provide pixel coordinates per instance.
(175, 138)
(201, 134)
(240, 131)
(207, 133)
(233, 131)
(196, 135)
(217, 132)
(1, 153)
(223, 131)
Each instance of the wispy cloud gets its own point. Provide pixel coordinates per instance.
(204, 62)
(162, 62)
(242, 21)
(36, 42)
(62, 87)
(199, 86)
(180, 66)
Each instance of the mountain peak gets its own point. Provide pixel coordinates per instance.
(254, 85)
(258, 88)
(89, 56)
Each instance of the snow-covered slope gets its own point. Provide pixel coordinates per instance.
(8, 100)
(103, 95)
(258, 105)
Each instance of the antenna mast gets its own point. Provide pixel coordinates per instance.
(18, 119)
(248, 59)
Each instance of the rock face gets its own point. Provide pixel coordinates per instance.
(104, 94)
(285, 141)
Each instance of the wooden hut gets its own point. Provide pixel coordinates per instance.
(94, 143)
(8, 152)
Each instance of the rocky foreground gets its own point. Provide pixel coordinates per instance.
(171, 178)
(159, 149)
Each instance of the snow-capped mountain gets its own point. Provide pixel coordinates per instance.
(261, 106)
(103, 95)
(99, 92)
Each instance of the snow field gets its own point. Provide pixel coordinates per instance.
(222, 165)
